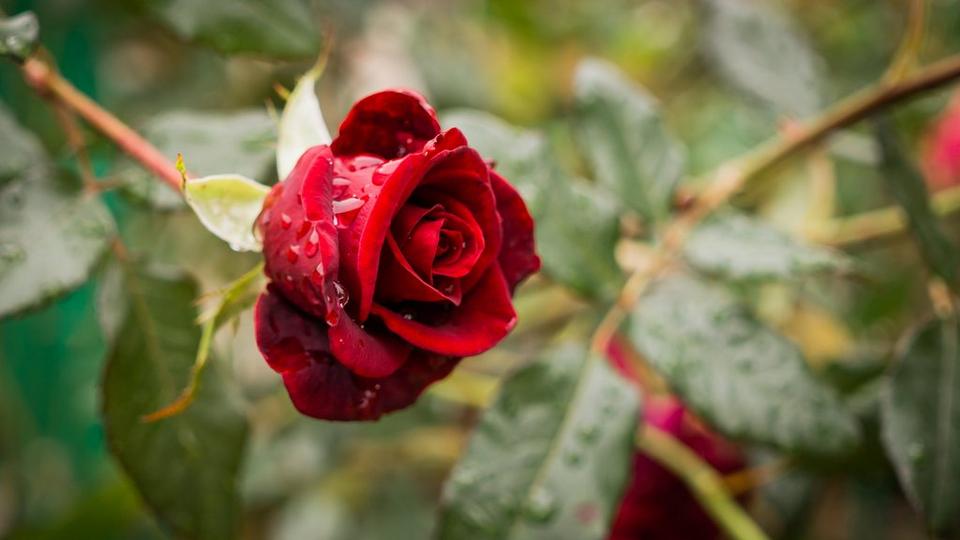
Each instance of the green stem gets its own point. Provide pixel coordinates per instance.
(703, 481)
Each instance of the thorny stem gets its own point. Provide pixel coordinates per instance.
(49, 84)
(707, 486)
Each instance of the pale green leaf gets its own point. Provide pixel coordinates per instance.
(301, 123)
(19, 35)
(228, 206)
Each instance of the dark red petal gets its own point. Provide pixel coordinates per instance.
(296, 346)
(420, 246)
(484, 317)
(299, 238)
(389, 124)
(462, 258)
(366, 353)
(398, 281)
(518, 256)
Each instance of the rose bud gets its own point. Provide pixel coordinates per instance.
(940, 150)
(391, 253)
(657, 504)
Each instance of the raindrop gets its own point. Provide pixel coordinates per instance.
(302, 231)
(408, 316)
(541, 506)
(347, 205)
(293, 252)
(285, 220)
(317, 275)
(332, 317)
(341, 182)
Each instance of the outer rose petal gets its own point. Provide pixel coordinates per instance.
(296, 346)
(484, 317)
(389, 124)
(518, 256)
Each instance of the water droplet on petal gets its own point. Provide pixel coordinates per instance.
(342, 296)
(541, 506)
(302, 231)
(346, 205)
(317, 275)
(293, 252)
(285, 220)
(341, 182)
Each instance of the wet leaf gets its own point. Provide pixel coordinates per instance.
(623, 137)
(51, 233)
(184, 467)
(277, 28)
(740, 247)
(744, 379)
(760, 51)
(549, 459)
(921, 421)
(907, 187)
(228, 206)
(211, 143)
(301, 123)
(19, 35)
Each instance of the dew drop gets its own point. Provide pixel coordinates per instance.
(342, 296)
(341, 182)
(541, 506)
(317, 275)
(285, 220)
(293, 253)
(347, 205)
(302, 231)
(332, 317)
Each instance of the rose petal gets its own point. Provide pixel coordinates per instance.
(518, 256)
(399, 281)
(389, 124)
(484, 317)
(299, 239)
(296, 346)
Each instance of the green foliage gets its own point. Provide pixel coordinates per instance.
(19, 35)
(51, 234)
(622, 134)
(921, 421)
(746, 380)
(549, 458)
(740, 247)
(907, 188)
(277, 28)
(228, 206)
(211, 142)
(761, 52)
(185, 467)
(301, 124)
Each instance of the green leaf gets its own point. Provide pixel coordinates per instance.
(521, 156)
(301, 123)
(51, 234)
(19, 35)
(746, 380)
(184, 467)
(740, 247)
(760, 51)
(624, 139)
(549, 459)
(907, 187)
(921, 421)
(228, 206)
(211, 143)
(277, 28)
(576, 235)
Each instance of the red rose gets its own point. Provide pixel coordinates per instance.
(392, 253)
(941, 149)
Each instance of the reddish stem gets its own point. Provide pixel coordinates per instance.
(51, 85)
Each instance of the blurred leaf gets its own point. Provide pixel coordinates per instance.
(740, 247)
(228, 206)
(744, 379)
(301, 124)
(19, 35)
(277, 28)
(51, 234)
(184, 467)
(921, 421)
(761, 52)
(576, 235)
(211, 143)
(549, 459)
(907, 187)
(521, 156)
(623, 137)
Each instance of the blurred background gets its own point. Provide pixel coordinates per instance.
(158, 69)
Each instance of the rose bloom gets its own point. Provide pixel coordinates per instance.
(656, 504)
(391, 253)
(940, 150)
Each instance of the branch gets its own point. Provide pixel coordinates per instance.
(703, 481)
(49, 84)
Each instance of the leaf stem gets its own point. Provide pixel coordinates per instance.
(707, 486)
(49, 84)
